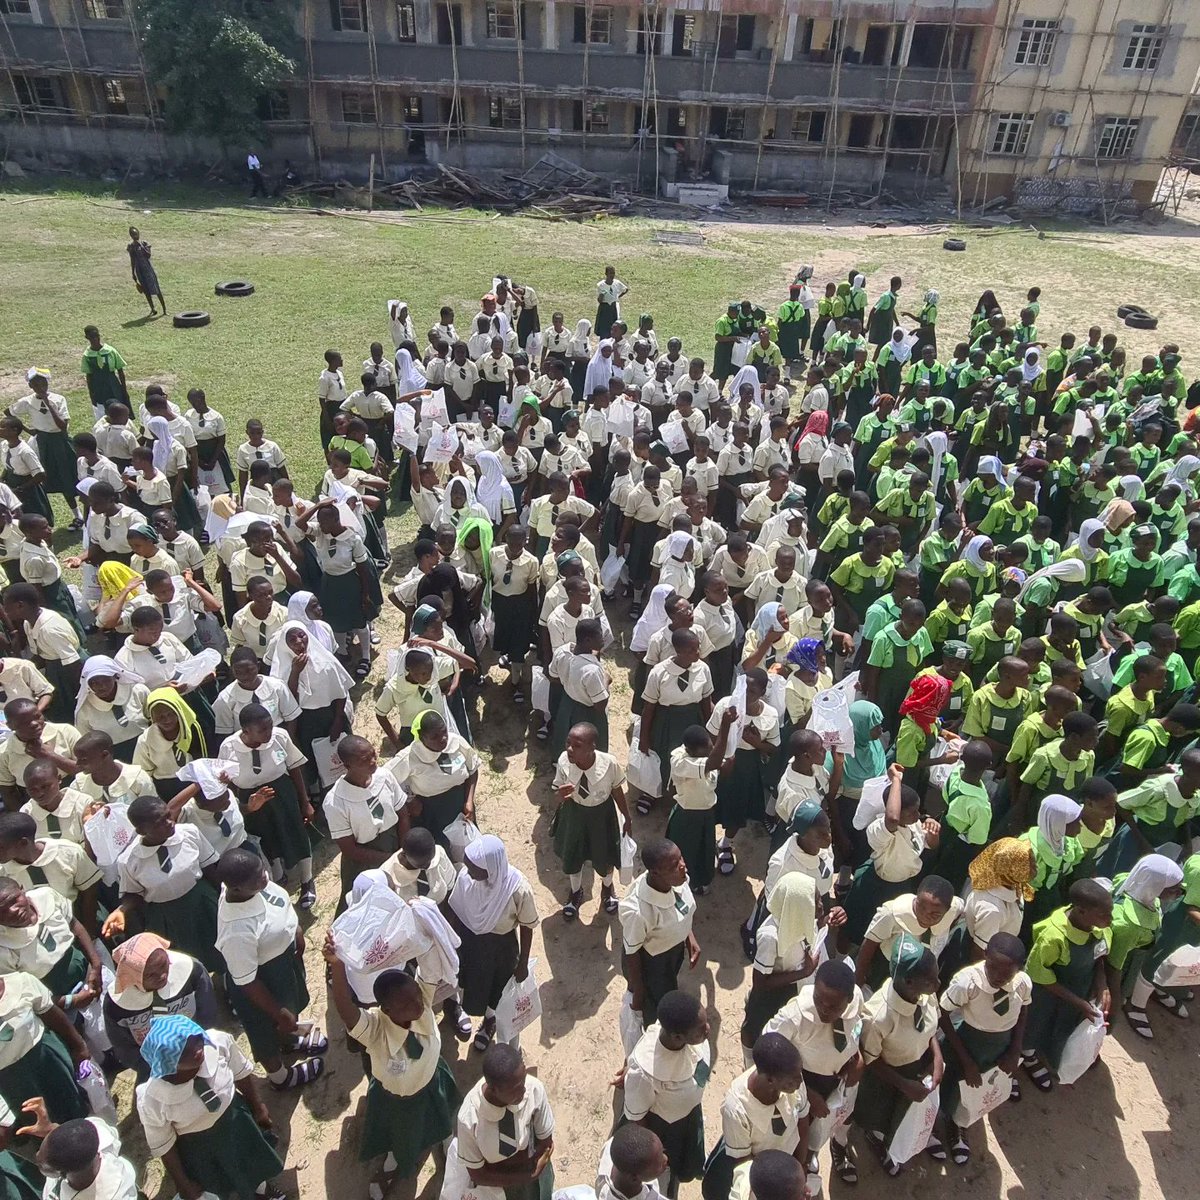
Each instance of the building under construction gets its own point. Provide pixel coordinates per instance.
(1059, 100)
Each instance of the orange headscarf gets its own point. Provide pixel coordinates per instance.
(1006, 863)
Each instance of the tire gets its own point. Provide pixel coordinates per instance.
(954, 244)
(191, 320)
(1141, 321)
(1127, 310)
(235, 287)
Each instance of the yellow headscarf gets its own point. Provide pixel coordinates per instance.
(793, 904)
(190, 734)
(114, 578)
(1004, 864)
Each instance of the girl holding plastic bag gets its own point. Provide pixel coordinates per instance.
(492, 909)
(1178, 938)
(984, 1011)
(900, 1046)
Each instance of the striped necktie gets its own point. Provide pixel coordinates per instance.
(506, 1133)
(205, 1094)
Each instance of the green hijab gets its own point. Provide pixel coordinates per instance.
(867, 760)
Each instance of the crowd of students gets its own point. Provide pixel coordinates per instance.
(931, 622)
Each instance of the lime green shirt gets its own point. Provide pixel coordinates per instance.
(1124, 711)
(945, 625)
(1031, 735)
(1178, 676)
(989, 713)
(1051, 867)
(890, 643)
(844, 535)
(853, 575)
(1052, 942)
(1005, 522)
(968, 808)
(912, 743)
(1048, 765)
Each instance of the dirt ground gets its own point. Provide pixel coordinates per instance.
(1122, 1132)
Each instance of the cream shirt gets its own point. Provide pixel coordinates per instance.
(21, 1007)
(422, 772)
(668, 1083)
(695, 787)
(897, 856)
(363, 813)
(62, 865)
(402, 1060)
(898, 916)
(891, 1032)
(998, 911)
(261, 766)
(52, 638)
(603, 776)
(479, 1124)
(273, 694)
(795, 789)
(253, 932)
(435, 881)
(670, 684)
(789, 857)
(799, 1022)
(66, 821)
(21, 680)
(163, 873)
(14, 757)
(993, 1010)
(655, 921)
(37, 948)
(749, 1126)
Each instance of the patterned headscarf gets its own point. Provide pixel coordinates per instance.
(927, 696)
(165, 1041)
(804, 654)
(1006, 863)
(131, 958)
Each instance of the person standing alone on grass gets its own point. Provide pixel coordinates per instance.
(145, 278)
(258, 185)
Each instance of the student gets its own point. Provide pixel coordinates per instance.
(265, 757)
(695, 768)
(584, 684)
(504, 1133)
(1060, 766)
(928, 915)
(967, 821)
(59, 811)
(259, 937)
(1056, 853)
(1067, 964)
(765, 1108)
(52, 643)
(202, 1112)
(656, 916)
(31, 738)
(492, 909)
(663, 1083)
(22, 470)
(250, 686)
(167, 878)
(439, 770)
(900, 1047)
(985, 1008)
(514, 576)
(421, 868)
(588, 784)
(48, 862)
(411, 1095)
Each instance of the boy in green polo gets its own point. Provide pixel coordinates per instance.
(1042, 726)
(860, 579)
(1132, 705)
(1059, 766)
(994, 640)
(1161, 641)
(997, 709)
(104, 373)
(951, 620)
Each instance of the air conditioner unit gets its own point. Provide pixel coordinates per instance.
(1060, 118)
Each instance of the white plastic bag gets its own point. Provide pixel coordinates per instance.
(443, 444)
(1081, 1050)
(741, 348)
(520, 1005)
(329, 767)
(459, 834)
(644, 772)
(939, 776)
(831, 719)
(366, 935)
(533, 346)
(974, 1103)
(871, 801)
(95, 1088)
(1098, 676)
(610, 571)
(108, 832)
(631, 1025)
(198, 668)
(820, 1129)
(915, 1129)
(1179, 970)
(629, 853)
(619, 418)
(539, 691)
(673, 436)
(456, 1181)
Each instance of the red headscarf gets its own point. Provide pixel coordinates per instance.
(818, 423)
(927, 696)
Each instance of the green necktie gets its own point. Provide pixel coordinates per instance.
(840, 1040)
(413, 1047)
(207, 1096)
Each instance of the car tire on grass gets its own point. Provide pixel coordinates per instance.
(1128, 310)
(954, 244)
(1141, 320)
(190, 320)
(235, 287)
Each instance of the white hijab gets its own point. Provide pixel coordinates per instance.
(1083, 544)
(599, 370)
(746, 375)
(973, 552)
(653, 618)
(101, 666)
(581, 342)
(901, 345)
(1032, 370)
(298, 611)
(859, 281)
(1149, 878)
(323, 681)
(1132, 488)
(409, 377)
(1069, 570)
(479, 904)
(989, 464)
(1055, 814)
(1182, 471)
(164, 442)
(677, 544)
(402, 327)
(492, 486)
(446, 511)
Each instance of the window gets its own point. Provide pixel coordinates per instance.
(591, 117)
(114, 98)
(504, 112)
(16, 8)
(736, 36)
(449, 24)
(36, 92)
(676, 124)
(502, 19)
(406, 21)
(599, 31)
(1036, 38)
(1117, 136)
(652, 28)
(683, 35)
(104, 10)
(275, 106)
(348, 16)
(1186, 134)
(358, 108)
(1145, 48)
(808, 126)
(1012, 133)
(412, 110)
(729, 123)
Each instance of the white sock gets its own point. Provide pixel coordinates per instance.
(723, 844)
(277, 1076)
(576, 881)
(277, 869)
(748, 1056)
(490, 1014)
(607, 880)
(390, 1163)
(304, 866)
(1142, 991)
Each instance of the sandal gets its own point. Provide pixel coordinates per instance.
(382, 1183)
(1139, 1022)
(313, 1042)
(571, 908)
(643, 804)
(1014, 1095)
(845, 1165)
(960, 1152)
(543, 733)
(484, 1034)
(876, 1142)
(307, 1070)
(1172, 1003)
(635, 611)
(1038, 1074)
(308, 896)
(362, 669)
(935, 1149)
(725, 860)
(608, 898)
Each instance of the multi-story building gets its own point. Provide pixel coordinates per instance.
(766, 94)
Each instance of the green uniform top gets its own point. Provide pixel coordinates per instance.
(1005, 521)
(1097, 569)
(1052, 942)
(843, 532)
(928, 314)
(835, 506)
(917, 413)
(1133, 926)
(1145, 458)
(1124, 711)
(1051, 867)
(890, 644)
(969, 418)
(918, 372)
(1056, 360)
(1053, 653)
(945, 625)
(104, 359)
(898, 503)
(1157, 797)
(912, 743)
(977, 492)
(981, 720)
(790, 312)
(881, 614)
(882, 452)
(360, 456)
(892, 479)
(1178, 675)
(982, 613)
(1185, 582)
(936, 552)
(981, 582)
(886, 301)
(870, 425)
(968, 808)
(1031, 735)
(1187, 626)
(770, 355)
(853, 575)
(1038, 554)
(1039, 680)
(852, 376)
(985, 640)
(1177, 556)
(1121, 562)
(1049, 763)
(1135, 619)
(1092, 842)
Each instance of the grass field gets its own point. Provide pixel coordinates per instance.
(323, 282)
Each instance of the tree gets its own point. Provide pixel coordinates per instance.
(215, 59)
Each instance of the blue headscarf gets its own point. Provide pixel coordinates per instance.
(804, 654)
(164, 1043)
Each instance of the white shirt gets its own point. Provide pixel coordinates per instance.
(655, 921)
(163, 873)
(252, 932)
(667, 1083)
(363, 813)
(261, 765)
(478, 1124)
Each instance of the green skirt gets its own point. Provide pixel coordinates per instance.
(438, 811)
(46, 1071)
(718, 1173)
(231, 1157)
(879, 1107)
(189, 923)
(66, 974)
(278, 825)
(283, 976)
(671, 721)
(660, 975)
(694, 831)
(866, 894)
(187, 515)
(344, 603)
(388, 842)
(573, 712)
(792, 334)
(586, 833)
(984, 1047)
(58, 461)
(741, 794)
(19, 1179)
(683, 1142)
(409, 1126)
(761, 1005)
(32, 496)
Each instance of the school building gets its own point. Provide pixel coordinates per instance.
(979, 98)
